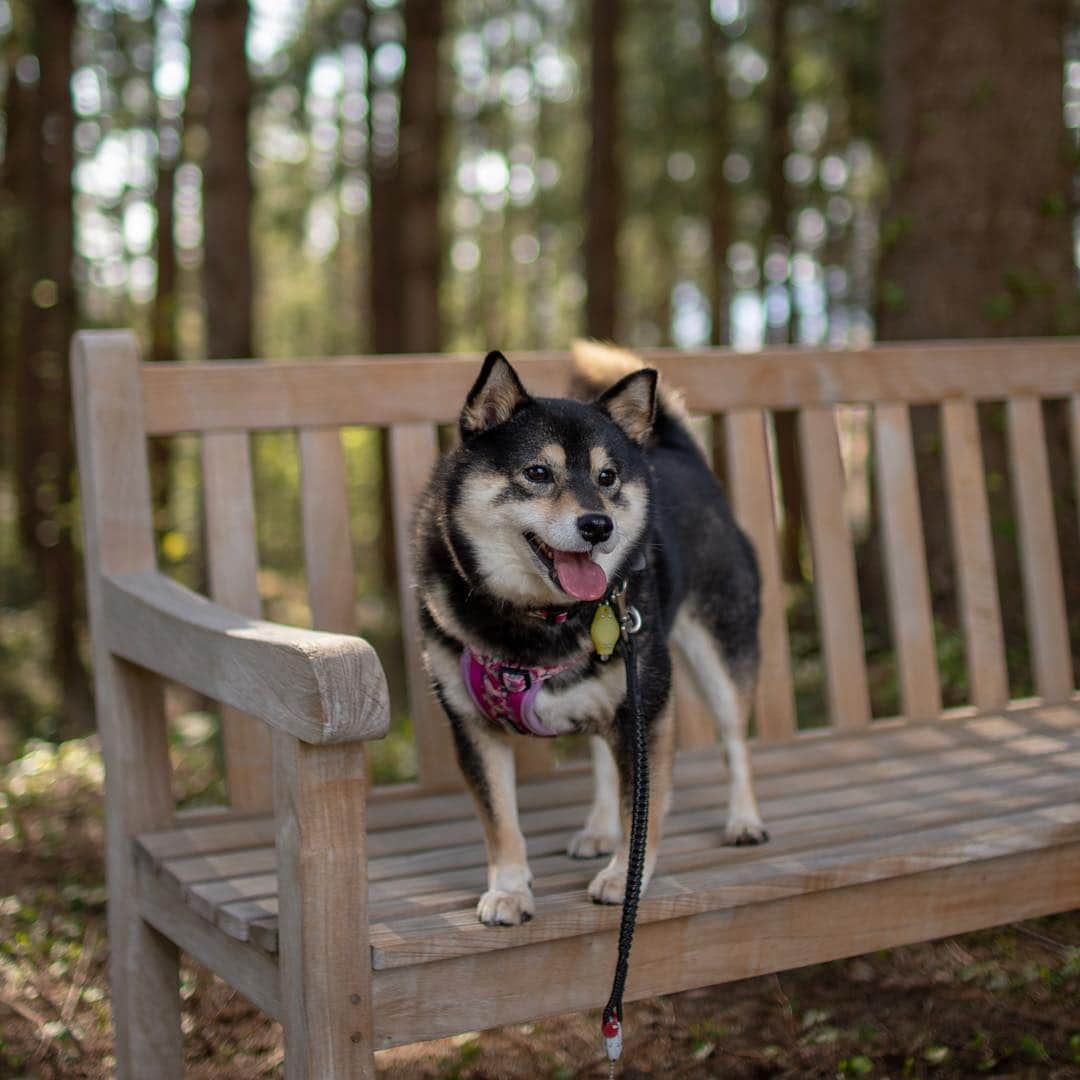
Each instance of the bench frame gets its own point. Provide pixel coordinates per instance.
(301, 703)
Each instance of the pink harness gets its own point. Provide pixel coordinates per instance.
(506, 694)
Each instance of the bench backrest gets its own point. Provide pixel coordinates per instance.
(409, 396)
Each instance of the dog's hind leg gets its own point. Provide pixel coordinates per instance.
(603, 826)
(729, 699)
(609, 886)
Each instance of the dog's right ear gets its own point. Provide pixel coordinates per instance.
(496, 395)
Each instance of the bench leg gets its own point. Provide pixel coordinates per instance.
(324, 953)
(143, 965)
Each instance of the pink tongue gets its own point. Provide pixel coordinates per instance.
(579, 575)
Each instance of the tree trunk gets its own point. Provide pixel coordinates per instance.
(52, 325)
(777, 240)
(419, 160)
(384, 229)
(721, 208)
(219, 36)
(977, 241)
(603, 188)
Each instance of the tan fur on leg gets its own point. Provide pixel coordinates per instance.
(730, 704)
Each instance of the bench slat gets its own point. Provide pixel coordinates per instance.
(328, 554)
(413, 450)
(751, 485)
(835, 586)
(973, 555)
(233, 569)
(1044, 592)
(430, 389)
(905, 563)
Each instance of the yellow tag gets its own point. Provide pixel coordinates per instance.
(604, 631)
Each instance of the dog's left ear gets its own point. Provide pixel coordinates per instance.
(631, 403)
(496, 395)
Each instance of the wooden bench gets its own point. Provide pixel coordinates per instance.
(347, 911)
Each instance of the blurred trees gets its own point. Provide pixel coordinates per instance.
(395, 175)
(976, 234)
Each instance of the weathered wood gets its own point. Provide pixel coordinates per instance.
(1044, 593)
(973, 555)
(554, 977)
(328, 555)
(413, 450)
(326, 1006)
(835, 587)
(750, 480)
(319, 687)
(233, 564)
(905, 563)
(427, 389)
(251, 971)
(118, 537)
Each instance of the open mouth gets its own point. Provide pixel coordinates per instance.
(572, 571)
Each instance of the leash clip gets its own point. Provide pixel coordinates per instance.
(631, 620)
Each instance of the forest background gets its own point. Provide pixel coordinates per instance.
(296, 179)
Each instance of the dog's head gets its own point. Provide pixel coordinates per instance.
(548, 498)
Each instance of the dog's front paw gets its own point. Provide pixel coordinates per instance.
(609, 886)
(589, 844)
(745, 830)
(499, 908)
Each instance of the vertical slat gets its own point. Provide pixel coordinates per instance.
(751, 484)
(328, 554)
(118, 537)
(835, 585)
(973, 555)
(1044, 592)
(325, 956)
(905, 563)
(694, 725)
(413, 450)
(233, 564)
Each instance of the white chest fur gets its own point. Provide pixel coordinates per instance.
(586, 706)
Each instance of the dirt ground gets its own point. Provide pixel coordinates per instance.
(1003, 1002)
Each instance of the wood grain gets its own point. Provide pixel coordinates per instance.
(326, 999)
(835, 587)
(233, 564)
(328, 554)
(319, 687)
(555, 977)
(973, 555)
(750, 480)
(426, 389)
(905, 563)
(414, 449)
(1044, 592)
(118, 537)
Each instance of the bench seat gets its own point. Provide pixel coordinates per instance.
(969, 794)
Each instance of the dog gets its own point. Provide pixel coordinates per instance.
(525, 528)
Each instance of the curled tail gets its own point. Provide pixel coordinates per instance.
(597, 366)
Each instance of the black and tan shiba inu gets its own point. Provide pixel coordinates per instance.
(543, 509)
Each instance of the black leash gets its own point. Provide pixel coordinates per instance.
(611, 1022)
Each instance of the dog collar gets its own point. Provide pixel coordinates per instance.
(506, 693)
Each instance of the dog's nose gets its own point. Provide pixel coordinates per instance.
(595, 528)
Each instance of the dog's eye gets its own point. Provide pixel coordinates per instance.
(538, 474)
(607, 477)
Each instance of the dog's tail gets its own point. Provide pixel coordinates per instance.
(597, 366)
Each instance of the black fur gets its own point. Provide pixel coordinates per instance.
(693, 549)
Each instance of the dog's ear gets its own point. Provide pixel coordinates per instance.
(496, 395)
(631, 403)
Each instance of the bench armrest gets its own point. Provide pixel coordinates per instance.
(318, 687)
